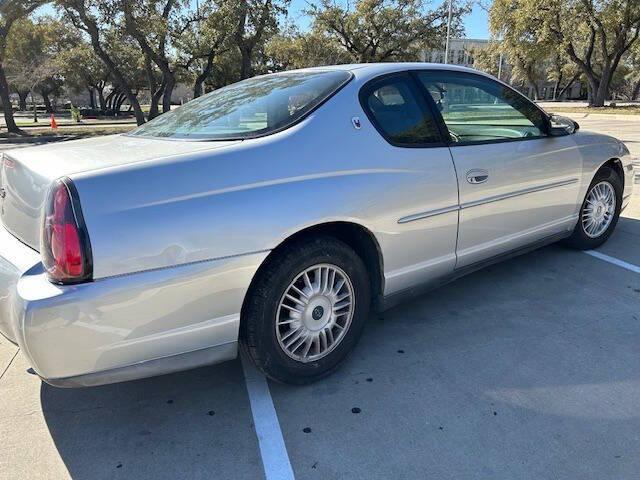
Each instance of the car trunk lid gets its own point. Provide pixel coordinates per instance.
(26, 174)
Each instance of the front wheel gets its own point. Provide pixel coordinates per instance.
(306, 310)
(599, 212)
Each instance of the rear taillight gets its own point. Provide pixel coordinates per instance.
(65, 248)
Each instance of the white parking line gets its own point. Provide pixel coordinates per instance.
(613, 260)
(273, 450)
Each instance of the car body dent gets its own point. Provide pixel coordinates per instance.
(120, 321)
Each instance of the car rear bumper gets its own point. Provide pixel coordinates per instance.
(15, 260)
(122, 328)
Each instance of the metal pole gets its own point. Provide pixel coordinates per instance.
(446, 50)
(500, 68)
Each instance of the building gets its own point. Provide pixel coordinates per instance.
(460, 52)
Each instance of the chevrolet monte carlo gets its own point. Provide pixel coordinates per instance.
(277, 213)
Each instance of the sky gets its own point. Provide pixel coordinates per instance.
(475, 24)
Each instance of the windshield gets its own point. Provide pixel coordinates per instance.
(250, 108)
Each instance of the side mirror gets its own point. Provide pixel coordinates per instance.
(560, 126)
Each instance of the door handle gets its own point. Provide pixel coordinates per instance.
(477, 176)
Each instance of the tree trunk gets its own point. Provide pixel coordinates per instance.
(169, 84)
(198, 86)
(556, 85)
(635, 93)
(156, 93)
(103, 105)
(22, 101)
(6, 104)
(47, 101)
(121, 99)
(599, 94)
(35, 108)
(245, 64)
(599, 87)
(154, 110)
(108, 103)
(564, 89)
(536, 90)
(92, 98)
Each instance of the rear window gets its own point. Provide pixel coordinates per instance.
(250, 108)
(398, 113)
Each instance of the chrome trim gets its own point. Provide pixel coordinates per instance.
(497, 198)
(429, 213)
(518, 193)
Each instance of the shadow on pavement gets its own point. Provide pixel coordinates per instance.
(194, 424)
(528, 369)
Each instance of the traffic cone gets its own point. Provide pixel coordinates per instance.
(54, 125)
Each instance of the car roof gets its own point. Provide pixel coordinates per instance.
(365, 71)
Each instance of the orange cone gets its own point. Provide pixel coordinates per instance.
(54, 124)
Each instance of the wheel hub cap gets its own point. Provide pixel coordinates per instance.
(315, 313)
(599, 209)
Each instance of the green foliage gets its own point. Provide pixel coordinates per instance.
(32, 54)
(81, 68)
(488, 59)
(75, 114)
(293, 49)
(593, 35)
(385, 30)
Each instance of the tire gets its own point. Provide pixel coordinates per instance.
(264, 339)
(581, 239)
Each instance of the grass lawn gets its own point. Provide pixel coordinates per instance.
(624, 110)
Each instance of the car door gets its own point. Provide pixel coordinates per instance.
(517, 184)
(418, 227)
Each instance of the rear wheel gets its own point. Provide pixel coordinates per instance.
(306, 310)
(599, 212)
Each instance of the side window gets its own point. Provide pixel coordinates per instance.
(399, 113)
(477, 109)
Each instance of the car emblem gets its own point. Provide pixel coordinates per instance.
(356, 122)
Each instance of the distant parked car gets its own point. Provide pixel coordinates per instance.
(277, 212)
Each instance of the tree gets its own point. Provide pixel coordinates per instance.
(293, 49)
(95, 18)
(148, 22)
(202, 38)
(84, 71)
(31, 74)
(24, 47)
(10, 12)
(561, 70)
(488, 60)
(632, 77)
(594, 34)
(385, 30)
(255, 21)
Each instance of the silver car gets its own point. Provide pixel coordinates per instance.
(279, 212)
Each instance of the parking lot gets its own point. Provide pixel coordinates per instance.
(527, 369)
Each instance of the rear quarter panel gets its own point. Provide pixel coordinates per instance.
(251, 196)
